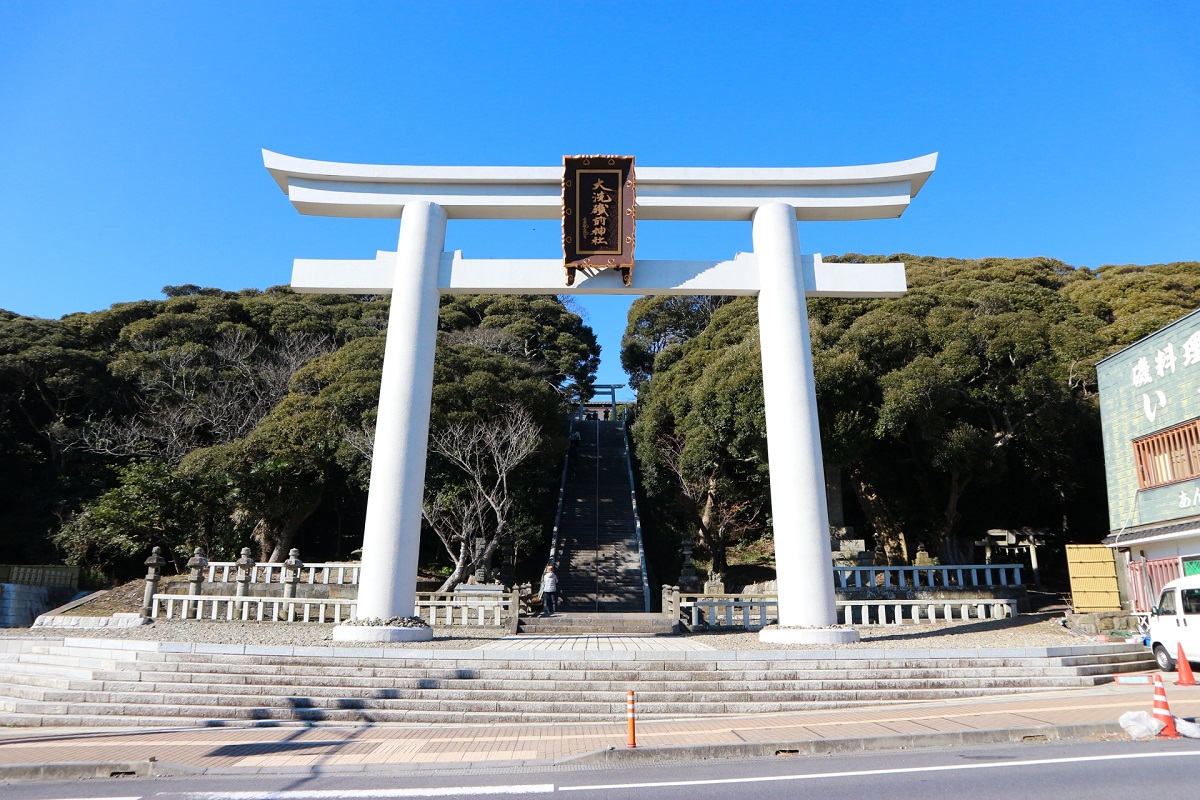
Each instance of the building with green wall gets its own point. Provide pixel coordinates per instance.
(1150, 418)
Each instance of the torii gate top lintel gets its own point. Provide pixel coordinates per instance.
(338, 189)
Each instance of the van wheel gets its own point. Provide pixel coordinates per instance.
(1165, 662)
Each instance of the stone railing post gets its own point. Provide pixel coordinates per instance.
(245, 571)
(197, 565)
(291, 573)
(515, 608)
(154, 566)
(670, 601)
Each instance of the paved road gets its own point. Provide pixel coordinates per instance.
(1096, 770)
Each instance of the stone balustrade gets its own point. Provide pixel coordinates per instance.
(339, 573)
(957, 575)
(439, 610)
(751, 612)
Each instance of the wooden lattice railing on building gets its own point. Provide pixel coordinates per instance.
(1168, 456)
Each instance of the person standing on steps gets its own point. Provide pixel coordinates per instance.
(549, 591)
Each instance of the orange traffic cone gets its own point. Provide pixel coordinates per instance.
(1162, 711)
(1185, 670)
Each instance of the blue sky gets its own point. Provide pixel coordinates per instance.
(130, 133)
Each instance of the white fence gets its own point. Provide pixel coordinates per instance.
(897, 612)
(330, 572)
(436, 609)
(51, 575)
(466, 609)
(961, 575)
(751, 612)
(256, 609)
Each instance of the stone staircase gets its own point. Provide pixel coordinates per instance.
(150, 684)
(600, 569)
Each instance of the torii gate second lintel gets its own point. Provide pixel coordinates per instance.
(419, 270)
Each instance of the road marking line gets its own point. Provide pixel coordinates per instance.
(366, 794)
(865, 772)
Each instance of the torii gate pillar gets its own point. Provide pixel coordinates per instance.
(798, 505)
(388, 581)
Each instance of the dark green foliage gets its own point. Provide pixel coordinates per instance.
(220, 418)
(700, 434)
(966, 404)
(658, 325)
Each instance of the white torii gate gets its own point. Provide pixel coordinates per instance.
(772, 199)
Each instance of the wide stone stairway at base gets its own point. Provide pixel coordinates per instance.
(600, 569)
(96, 683)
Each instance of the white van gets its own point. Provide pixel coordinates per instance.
(1175, 621)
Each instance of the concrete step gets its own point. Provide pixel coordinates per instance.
(539, 672)
(610, 705)
(73, 661)
(199, 688)
(544, 695)
(566, 665)
(101, 714)
(525, 680)
(583, 623)
(57, 671)
(335, 686)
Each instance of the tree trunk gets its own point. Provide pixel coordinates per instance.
(889, 538)
(292, 523)
(952, 549)
(716, 547)
(264, 533)
(460, 568)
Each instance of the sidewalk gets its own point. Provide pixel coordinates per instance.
(1073, 713)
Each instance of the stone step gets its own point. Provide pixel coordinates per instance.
(39, 680)
(57, 671)
(238, 707)
(537, 679)
(542, 671)
(565, 665)
(341, 697)
(75, 661)
(573, 669)
(198, 688)
(385, 688)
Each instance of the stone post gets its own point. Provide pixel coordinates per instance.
(481, 568)
(196, 565)
(245, 571)
(291, 573)
(154, 565)
(290, 578)
(670, 601)
(689, 581)
(508, 560)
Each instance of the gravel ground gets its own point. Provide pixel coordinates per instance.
(296, 634)
(1030, 630)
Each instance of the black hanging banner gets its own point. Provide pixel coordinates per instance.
(599, 214)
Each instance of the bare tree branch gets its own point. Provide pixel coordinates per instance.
(487, 452)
